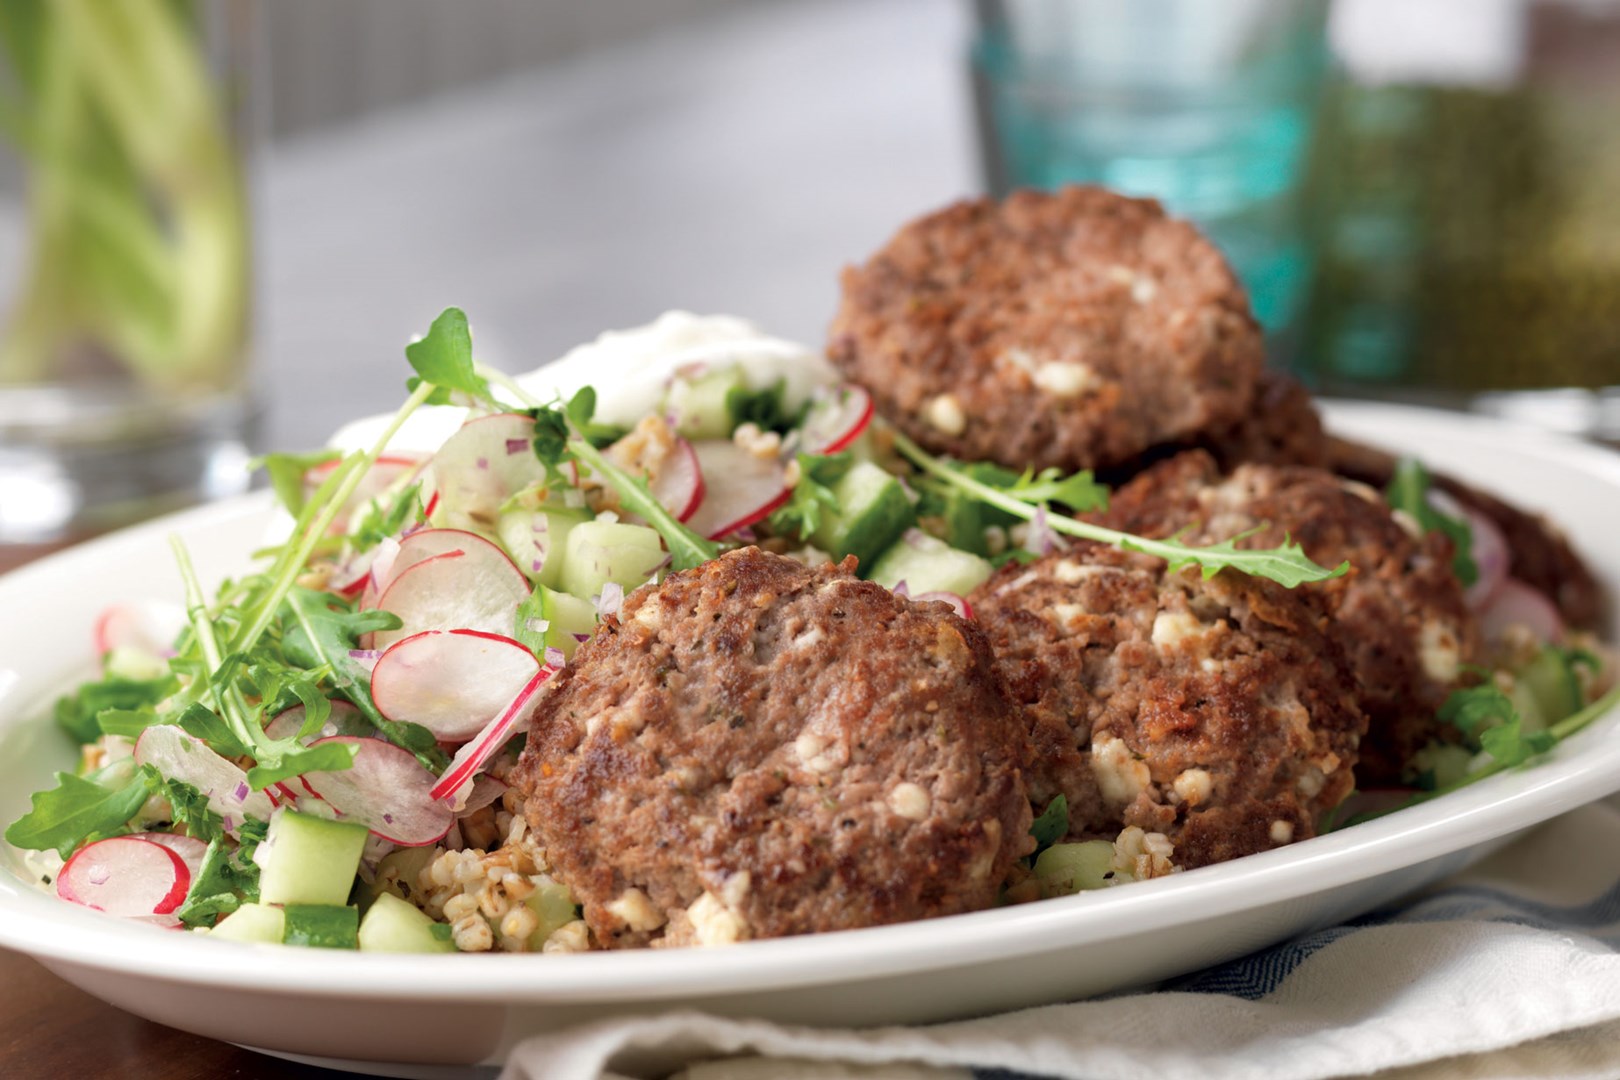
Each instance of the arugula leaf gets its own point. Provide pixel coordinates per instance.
(127, 723)
(285, 763)
(203, 722)
(1079, 492)
(187, 806)
(1286, 564)
(1051, 826)
(444, 357)
(319, 630)
(1021, 556)
(1408, 490)
(581, 415)
(287, 472)
(1488, 716)
(383, 520)
(77, 809)
(76, 713)
(766, 409)
(227, 879)
(531, 610)
(1473, 709)
(812, 495)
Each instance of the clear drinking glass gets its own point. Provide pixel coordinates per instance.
(1205, 106)
(124, 262)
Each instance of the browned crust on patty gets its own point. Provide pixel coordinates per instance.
(972, 304)
(1398, 612)
(743, 729)
(1138, 679)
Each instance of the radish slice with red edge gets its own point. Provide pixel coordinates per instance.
(344, 719)
(959, 603)
(836, 418)
(181, 756)
(418, 547)
(1518, 604)
(125, 875)
(473, 588)
(190, 849)
(678, 484)
(386, 790)
(479, 467)
(148, 625)
(451, 682)
(511, 720)
(484, 790)
(741, 488)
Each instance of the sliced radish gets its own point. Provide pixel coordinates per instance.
(475, 587)
(190, 849)
(678, 484)
(481, 466)
(1518, 604)
(125, 875)
(184, 757)
(742, 488)
(484, 790)
(837, 417)
(148, 625)
(511, 720)
(960, 604)
(344, 719)
(383, 474)
(452, 682)
(386, 790)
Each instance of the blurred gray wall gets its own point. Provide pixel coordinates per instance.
(332, 60)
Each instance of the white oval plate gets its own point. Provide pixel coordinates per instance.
(420, 1011)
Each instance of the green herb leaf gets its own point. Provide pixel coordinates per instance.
(188, 807)
(319, 630)
(1286, 564)
(126, 723)
(1079, 492)
(78, 809)
(203, 722)
(765, 409)
(383, 519)
(531, 610)
(1408, 490)
(812, 495)
(1051, 826)
(77, 713)
(325, 757)
(444, 357)
(227, 879)
(1473, 709)
(287, 473)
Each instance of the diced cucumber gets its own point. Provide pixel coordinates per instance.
(537, 539)
(1550, 678)
(873, 511)
(566, 616)
(252, 922)
(928, 564)
(393, 925)
(309, 860)
(554, 904)
(601, 551)
(322, 926)
(1444, 764)
(700, 402)
(1070, 868)
(136, 665)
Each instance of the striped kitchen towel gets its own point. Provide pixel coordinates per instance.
(1511, 969)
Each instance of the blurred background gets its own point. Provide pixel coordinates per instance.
(220, 220)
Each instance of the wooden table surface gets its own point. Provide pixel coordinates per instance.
(734, 166)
